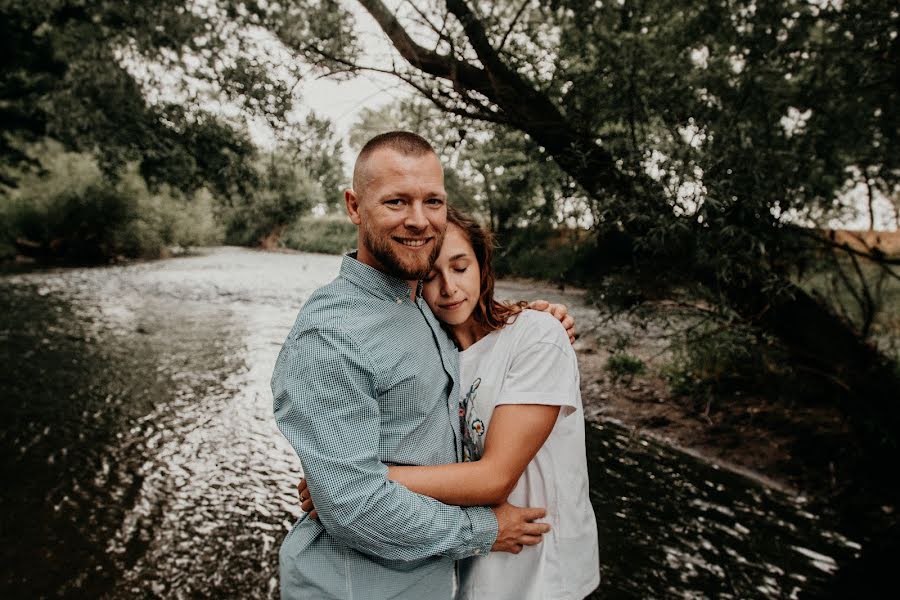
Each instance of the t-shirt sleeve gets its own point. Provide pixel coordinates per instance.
(543, 368)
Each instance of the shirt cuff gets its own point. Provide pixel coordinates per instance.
(484, 529)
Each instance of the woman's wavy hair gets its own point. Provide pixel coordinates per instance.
(490, 314)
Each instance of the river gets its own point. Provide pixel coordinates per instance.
(141, 459)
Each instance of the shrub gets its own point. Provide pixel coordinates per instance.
(326, 235)
(70, 210)
(724, 358)
(539, 251)
(624, 367)
(285, 191)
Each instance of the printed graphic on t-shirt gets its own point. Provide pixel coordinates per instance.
(472, 427)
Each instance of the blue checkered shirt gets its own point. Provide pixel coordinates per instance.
(367, 377)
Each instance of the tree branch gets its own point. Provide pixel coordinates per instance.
(478, 109)
(427, 21)
(432, 63)
(512, 24)
(521, 104)
(873, 254)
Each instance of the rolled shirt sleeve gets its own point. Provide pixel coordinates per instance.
(326, 406)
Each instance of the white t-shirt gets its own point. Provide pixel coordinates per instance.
(531, 362)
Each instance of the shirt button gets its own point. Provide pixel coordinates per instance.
(399, 300)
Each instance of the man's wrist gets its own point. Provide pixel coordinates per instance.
(484, 529)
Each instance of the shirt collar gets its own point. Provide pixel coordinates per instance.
(374, 281)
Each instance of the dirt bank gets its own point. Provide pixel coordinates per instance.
(799, 449)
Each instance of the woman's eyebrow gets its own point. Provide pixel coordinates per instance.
(459, 256)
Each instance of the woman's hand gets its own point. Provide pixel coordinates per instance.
(306, 503)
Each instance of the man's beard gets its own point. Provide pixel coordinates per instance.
(380, 248)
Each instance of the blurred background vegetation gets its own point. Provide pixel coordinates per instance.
(659, 153)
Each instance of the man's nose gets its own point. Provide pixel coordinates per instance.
(415, 216)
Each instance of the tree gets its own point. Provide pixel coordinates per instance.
(82, 72)
(682, 125)
(314, 146)
(169, 86)
(285, 190)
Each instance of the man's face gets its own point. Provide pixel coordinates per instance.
(401, 211)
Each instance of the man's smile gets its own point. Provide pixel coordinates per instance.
(413, 242)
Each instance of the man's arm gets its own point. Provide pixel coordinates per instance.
(326, 407)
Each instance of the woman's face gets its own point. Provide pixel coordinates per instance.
(454, 283)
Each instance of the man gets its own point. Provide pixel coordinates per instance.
(367, 377)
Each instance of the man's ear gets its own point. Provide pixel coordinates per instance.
(352, 202)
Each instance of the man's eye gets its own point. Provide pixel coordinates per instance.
(393, 202)
(435, 201)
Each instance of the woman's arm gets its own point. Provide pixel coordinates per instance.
(516, 433)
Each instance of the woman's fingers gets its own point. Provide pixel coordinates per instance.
(301, 490)
(541, 305)
(569, 324)
(560, 311)
(306, 503)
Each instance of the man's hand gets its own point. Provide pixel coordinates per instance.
(306, 503)
(560, 312)
(516, 527)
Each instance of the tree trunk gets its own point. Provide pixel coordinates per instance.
(825, 344)
(271, 239)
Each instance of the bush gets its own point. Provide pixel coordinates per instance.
(623, 366)
(285, 190)
(71, 211)
(326, 235)
(560, 255)
(719, 359)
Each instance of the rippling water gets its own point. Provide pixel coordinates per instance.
(140, 457)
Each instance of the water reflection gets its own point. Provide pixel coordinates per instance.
(140, 457)
(686, 529)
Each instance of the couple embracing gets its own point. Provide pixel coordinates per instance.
(441, 432)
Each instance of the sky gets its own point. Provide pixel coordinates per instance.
(341, 101)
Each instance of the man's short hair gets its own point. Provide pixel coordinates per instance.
(406, 143)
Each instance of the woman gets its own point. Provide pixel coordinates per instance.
(522, 423)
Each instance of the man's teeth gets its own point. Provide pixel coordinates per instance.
(413, 243)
